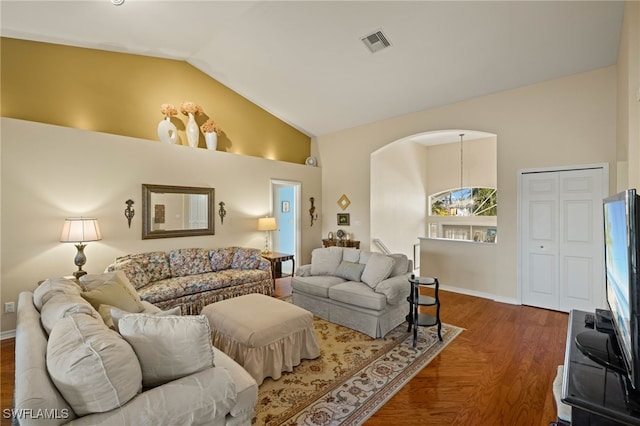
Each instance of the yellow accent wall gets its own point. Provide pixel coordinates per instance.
(121, 94)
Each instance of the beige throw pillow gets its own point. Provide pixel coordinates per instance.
(94, 369)
(168, 347)
(378, 268)
(61, 305)
(114, 292)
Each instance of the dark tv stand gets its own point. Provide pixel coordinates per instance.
(599, 394)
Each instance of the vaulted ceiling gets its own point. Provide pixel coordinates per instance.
(305, 62)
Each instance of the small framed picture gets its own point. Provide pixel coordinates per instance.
(343, 219)
(285, 207)
(491, 235)
(158, 213)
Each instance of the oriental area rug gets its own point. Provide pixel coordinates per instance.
(353, 377)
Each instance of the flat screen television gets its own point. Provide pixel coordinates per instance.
(621, 252)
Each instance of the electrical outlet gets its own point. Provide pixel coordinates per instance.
(9, 307)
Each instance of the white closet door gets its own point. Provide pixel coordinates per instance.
(561, 239)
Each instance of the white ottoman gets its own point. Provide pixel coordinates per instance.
(265, 335)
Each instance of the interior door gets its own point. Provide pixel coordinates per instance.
(562, 260)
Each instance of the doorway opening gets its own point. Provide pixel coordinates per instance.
(285, 205)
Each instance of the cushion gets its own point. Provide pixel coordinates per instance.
(325, 261)
(377, 269)
(192, 261)
(155, 263)
(168, 347)
(134, 272)
(61, 305)
(351, 255)
(94, 369)
(52, 286)
(401, 265)
(245, 258)
(350, 271)
(92, 281)
(112, 315)
(115, 293)
(221, 258)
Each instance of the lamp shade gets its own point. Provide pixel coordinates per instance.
(267, 224)
(80, 230)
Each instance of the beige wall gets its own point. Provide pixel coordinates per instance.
(121, 94)
(51, 172)
(567, 121)
(443, 165)
(398, 197)
(628, 91)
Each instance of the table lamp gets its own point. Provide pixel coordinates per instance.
(80, 230)
(267, 224)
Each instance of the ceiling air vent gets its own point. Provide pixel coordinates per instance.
(376, 41)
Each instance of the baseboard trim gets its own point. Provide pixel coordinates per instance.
(7, 334)
(507, 300)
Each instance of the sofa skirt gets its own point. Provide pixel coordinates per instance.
(375, 324)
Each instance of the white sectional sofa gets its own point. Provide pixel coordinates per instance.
(157, 370)
(359, 289)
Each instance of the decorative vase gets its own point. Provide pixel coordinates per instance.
(167, 131)
(193, 132)
(212, 140)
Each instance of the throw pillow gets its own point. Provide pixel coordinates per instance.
(245, 258)
(94, 369)
(134, 272)
(51, 286)
(221, 258)
(112, 315)
(377, 269)
(155, 263)
(115, 293)
(185, 262)
(61, 305)
(168, 347)
(325, 261)
(351, 255)
(350, 271)
(401, 265)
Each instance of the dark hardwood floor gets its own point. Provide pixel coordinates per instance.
(499, 371)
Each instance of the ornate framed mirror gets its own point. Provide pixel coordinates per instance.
(177, 211)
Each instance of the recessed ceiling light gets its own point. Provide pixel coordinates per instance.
(117, 2)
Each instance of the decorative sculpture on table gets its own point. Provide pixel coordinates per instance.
(222, 212)
(312, 211)
(129, 212)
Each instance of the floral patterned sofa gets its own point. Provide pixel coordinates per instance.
(195, 277)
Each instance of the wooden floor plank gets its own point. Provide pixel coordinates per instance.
(498, 371)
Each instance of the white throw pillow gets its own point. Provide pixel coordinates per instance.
(325, 261)
(94, 368)
(112, 315)
(378, 268)
(169, 347)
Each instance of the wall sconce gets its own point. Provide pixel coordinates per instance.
(129, 212)
(267, 224)
(222, 212)
(312, 211)
(80, 230)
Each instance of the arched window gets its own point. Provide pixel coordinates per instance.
(464, 202)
